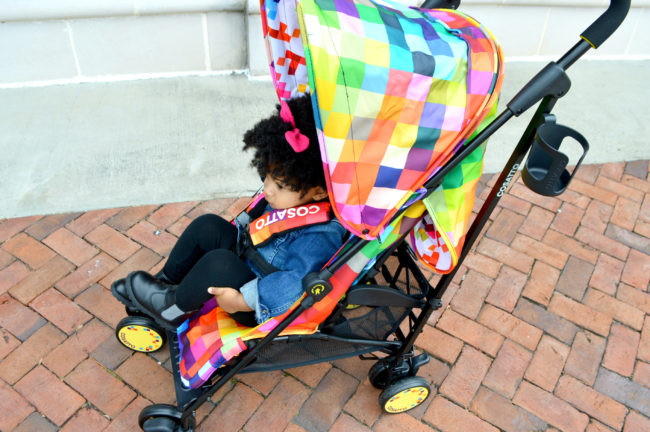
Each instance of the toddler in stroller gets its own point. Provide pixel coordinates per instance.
(293, 236)
(402, 100)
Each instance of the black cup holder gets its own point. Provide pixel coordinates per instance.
(545, 169)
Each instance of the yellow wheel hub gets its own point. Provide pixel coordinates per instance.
(406, 399)
(140, 338)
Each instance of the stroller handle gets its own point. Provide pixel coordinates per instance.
(607, 23)
(444, 4)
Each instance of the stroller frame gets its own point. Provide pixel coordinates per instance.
(545, 88)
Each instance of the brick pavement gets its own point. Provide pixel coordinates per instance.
(546, 327)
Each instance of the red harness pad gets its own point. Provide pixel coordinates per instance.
(277, 221)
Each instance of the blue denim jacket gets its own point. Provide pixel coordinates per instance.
(296, 254)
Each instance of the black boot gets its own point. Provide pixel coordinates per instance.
(162, 277)
(118, 288)
(157, 299)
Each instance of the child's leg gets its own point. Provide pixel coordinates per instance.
(200, 259)
(204, 234)
(217, 268)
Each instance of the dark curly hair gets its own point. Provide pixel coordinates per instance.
(273, 154)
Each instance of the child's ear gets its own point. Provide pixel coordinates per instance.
(320, 194)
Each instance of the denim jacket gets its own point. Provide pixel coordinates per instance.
(296, 254)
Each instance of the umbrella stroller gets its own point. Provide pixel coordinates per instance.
(404, 99)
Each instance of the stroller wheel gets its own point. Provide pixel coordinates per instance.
(160, 424)
(385, 372)
(160, 418)
(404, 395)
(132, 312)
(140, 333)
(378, 375)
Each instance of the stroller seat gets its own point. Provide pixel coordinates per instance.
(210, 339)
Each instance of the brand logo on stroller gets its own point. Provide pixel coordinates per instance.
(505, 184)
(125, 341)
(290, 213)
(317, 290)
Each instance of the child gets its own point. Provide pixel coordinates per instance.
(204, 262)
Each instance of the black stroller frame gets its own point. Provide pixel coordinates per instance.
(406, 288)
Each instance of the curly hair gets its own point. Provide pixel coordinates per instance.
(273, 154)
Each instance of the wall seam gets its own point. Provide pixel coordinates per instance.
(73, 47)
(207, 58)
(543, 32)
(634, 32)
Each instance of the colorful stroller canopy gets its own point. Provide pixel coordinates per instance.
(396, 90)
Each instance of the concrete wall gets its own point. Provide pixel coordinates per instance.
(70, 41)
(61, 41)
(125, 102)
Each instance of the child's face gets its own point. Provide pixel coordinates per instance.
(280, 196)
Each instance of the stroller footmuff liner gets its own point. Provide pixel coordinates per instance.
(404, 99)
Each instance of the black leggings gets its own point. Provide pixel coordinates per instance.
(203, 257)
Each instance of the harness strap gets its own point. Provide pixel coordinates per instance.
(254, 256)
(280, 221)
(245, 248)
(255, 233)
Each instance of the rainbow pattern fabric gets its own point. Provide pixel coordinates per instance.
(284, 47)
(398, 90)
(439, 237)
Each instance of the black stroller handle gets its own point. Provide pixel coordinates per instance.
(440, 4)
(607, 23)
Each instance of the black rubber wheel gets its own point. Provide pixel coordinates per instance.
(140, 333)
(404, 395)
(161, 424)
(160, 418)
(378, 375)
(132, 312)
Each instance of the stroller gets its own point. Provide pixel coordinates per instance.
(404, 99)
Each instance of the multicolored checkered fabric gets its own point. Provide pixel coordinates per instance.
(206, 341)
(439, 237)
(284, 47)
(398, 89)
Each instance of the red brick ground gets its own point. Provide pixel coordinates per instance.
(547, 326)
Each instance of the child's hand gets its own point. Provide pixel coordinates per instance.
(229, 299)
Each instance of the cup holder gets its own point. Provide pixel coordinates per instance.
(545, 170)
